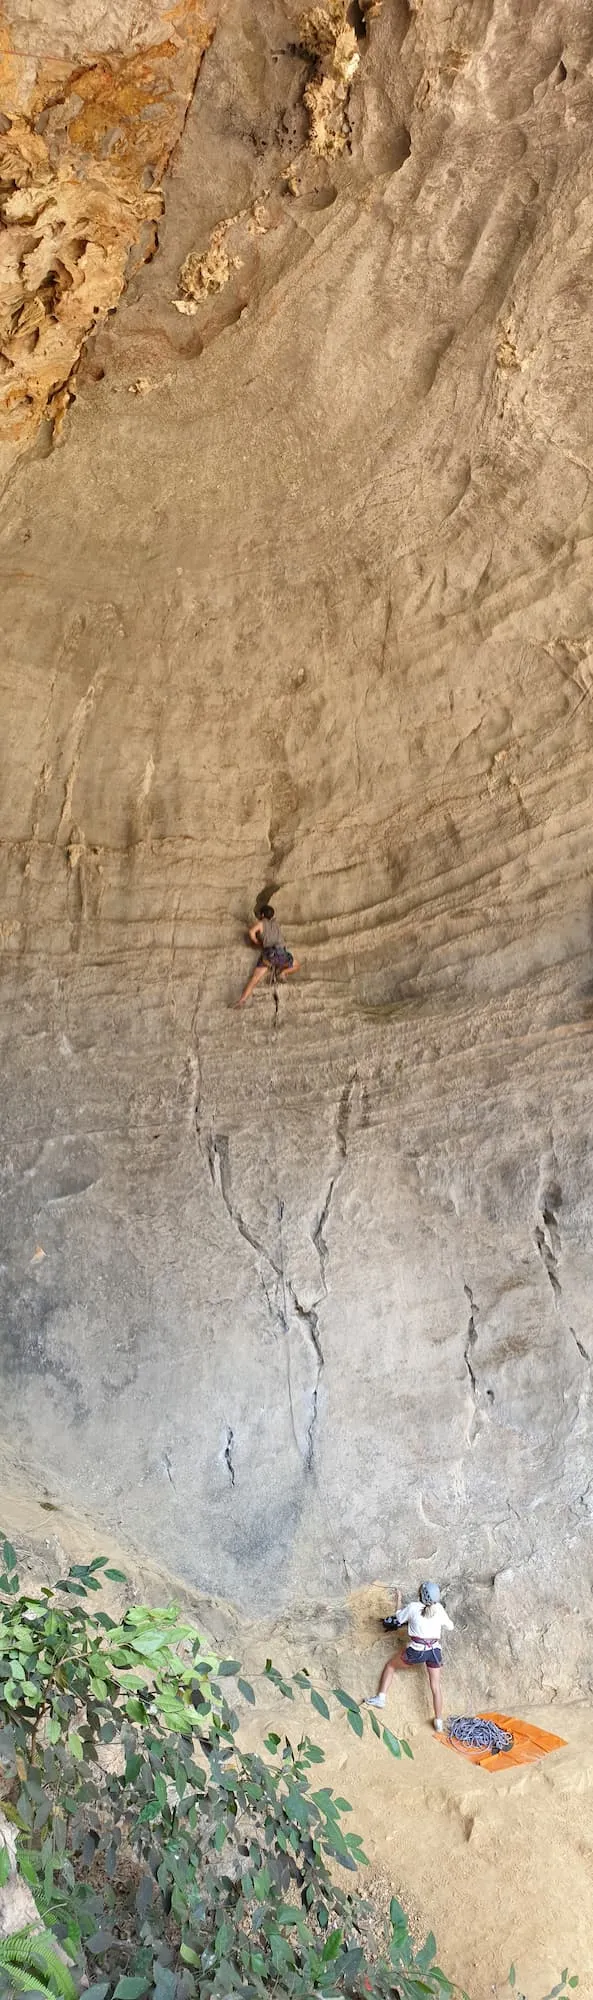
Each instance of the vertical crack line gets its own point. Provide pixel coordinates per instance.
(215, 1147)
(579, 1344)
(471, 1339)
(228, 1454)
(285, 1321)
(308, 1319)
(167, 1462)
(547, 1242)
(318, 1237)
(343, 1116)
(547, 1237)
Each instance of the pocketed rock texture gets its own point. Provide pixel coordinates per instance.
(300, 1298)
(81, 146)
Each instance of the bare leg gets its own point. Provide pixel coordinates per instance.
(393, 1666)
(434, 1675)
(288, 969)
(260, 973)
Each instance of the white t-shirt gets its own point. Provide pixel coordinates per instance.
(425, 1630)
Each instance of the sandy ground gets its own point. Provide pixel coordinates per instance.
(499, 1867)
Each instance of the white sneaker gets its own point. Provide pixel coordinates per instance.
(375, 1701)
(437, 1724)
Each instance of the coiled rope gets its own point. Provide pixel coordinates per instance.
(477, 1734)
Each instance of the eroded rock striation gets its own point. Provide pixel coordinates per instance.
(301, 602)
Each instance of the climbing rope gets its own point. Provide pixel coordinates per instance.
(273, 982)
(477, 1734)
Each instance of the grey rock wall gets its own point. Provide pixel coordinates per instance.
(301, 1297)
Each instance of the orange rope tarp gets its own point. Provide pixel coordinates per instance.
(529, 1743)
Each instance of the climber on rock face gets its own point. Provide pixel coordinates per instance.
(425, 1618)
(274, 957)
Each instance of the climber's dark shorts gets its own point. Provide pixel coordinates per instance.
(277, 959)
(428, 1656)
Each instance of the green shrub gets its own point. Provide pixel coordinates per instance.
(165, 1859)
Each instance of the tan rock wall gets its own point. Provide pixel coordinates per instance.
(310, 610)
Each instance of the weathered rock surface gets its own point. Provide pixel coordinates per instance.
(297, 1300)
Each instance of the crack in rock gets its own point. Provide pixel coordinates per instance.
(343, 1117)
(228, 1454)
(471, 1339)
(547, 1232)
(309, 1320)
(579, 1344)
(547, 1240)
(215, 1146)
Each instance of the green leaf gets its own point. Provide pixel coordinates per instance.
(185, 1952)
(75, 1745)
(356, 1721)
(424, 1958)
(347, 1700)
(400, 1944)
(4, 1866)
(396, 1914)
(228, 1667)
(54, 1729)
(272, 1741)
(97, 1992)
(406, 1748)
(131, 1988)
(135, 1709)
(119, 1576)
(220, 1836)
(575, 1979)
(246, 1691)
(318, 1702)
(8, 1556)
(393, 1743)
(512, 1976)
(374, 1724)
(332, 1947)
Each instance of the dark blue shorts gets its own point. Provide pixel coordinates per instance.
(276, 958)
(428, 1656)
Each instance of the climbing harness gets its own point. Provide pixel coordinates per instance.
(477, 1734)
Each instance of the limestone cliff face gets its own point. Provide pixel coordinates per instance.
(302, 601)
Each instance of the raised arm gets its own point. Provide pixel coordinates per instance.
(255, 933)
(399, 1617)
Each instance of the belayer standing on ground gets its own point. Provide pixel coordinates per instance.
(274, 956)
(425, 1618)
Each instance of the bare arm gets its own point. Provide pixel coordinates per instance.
(255, 933)
(393, 1624)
